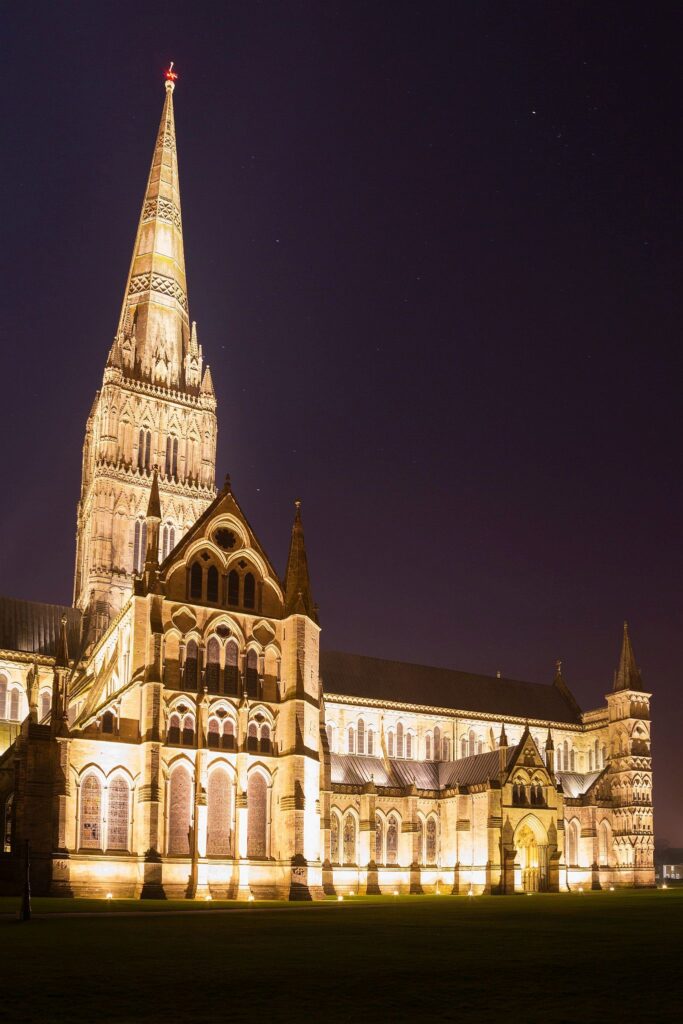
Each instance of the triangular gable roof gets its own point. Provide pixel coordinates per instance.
(526, 751)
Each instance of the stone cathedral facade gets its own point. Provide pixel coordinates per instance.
(180, 732)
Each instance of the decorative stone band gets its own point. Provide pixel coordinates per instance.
(162, 209)
(148, 793)
(158, 283)
(241, 801)
(494, 821)
(292, 803)
(463, 825)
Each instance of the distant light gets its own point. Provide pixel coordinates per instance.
(250, 898)
(665, 886)
(611, 888)
(528, 894)
(470, 892)
(395, 892)
(340, 899)
(110, 896)
(580, 888)
(208, 898)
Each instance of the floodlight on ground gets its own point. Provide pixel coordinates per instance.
(110, 895)
(250, 897)
(340, 899)
(208, 898)
(611, 888)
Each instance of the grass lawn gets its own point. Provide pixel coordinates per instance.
(571, 957)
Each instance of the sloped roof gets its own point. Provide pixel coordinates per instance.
(357, 770)
(32, 627)
(575, 784)
(355, 675)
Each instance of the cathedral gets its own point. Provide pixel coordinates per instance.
(181, 732)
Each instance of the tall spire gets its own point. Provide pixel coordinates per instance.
(627, 676)
(154, 329)
(298, 597)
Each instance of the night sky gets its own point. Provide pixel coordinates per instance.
(434, 253)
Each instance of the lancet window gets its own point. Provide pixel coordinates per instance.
(180, 805)
(219, 814)
(257, 822)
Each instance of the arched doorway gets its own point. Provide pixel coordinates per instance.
(531, 856)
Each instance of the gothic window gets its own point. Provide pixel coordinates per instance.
(399, 740)
(249, 591)
(257, 797)
(213, 668)
(349, 839)
(371, 742)
(604, 756)
(219, 814)
(118, 801)
(428, 746)
(604, 842)
(565, 758)
(139, 545)
(45, 704)
(431, 840)
(231, 671)
(190, 674)
(572, 843)
(145, 450)
(228, 739)
(212, 584)
(172, 456)
(167, 540)
(188, 731)
(3, 696)
(173, 732)
(446, 749)
(390, 743)
(233, 588)
(596, 749)
(464, 747)
(334, 838)
(361, 736)
(472, 740)
(409, 744)
(437, 744)
(180, 800)
(252, 673)
(590, 760)
(196, 575)
(379, 840)
(392, 839)
(91, 813)
(213, 738)
(14, 698)
(573, 760)
(264, 741)
(351, 740)
(480, 746)
(169, 455)
(252, 737)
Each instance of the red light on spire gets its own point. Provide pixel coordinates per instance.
(170, 75)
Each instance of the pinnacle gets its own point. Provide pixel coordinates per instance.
(628, 676)
(298, 596)
(154, 504)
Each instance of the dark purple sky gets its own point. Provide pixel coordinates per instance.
(434, 253)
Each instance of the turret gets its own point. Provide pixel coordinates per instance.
(298, 596)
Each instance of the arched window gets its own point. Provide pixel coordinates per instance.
(14, 698)
(179, 818)
(379, 840)
(604, 756)
(437, 744)
(139, 545)
(596, 752)
(399, 740)
(464, 748)
(188, 731)
(249, 591)
(196, 575)
(252, 673)
(173, 732)
(212, 584)
(565, 758)
(228, 741)
(45, 704)
(371, 742)
(252, 737)
(231, 671)
(167, 540)
(390, 743)
(392, 839)
(590, 760)
(409, 744)
(3, 696)
(349, 839)
(351, 736)
(361, 736)
(172, 456)
(214, 734)
(480, 746)
(428, 746)
(334, 838)
(213, 668)
(431, 841)
(472, 743)
(446, 749)
(118, 804)
(264, 739)
(420, 841)
(233, 588)
(219, 814)
(91, 813)
(572, 843)
(604, 842)
(573, 759)
(145, 450)
(190, 673)
(257, 796)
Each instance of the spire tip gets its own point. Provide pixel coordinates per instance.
(170, 77)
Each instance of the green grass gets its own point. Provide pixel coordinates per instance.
(571, 957)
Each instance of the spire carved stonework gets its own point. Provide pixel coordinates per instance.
(298, 596)
(156, 407)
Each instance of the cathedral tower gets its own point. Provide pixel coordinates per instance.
(156, 407)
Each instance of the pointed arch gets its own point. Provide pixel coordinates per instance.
(180, 809)
(219, 812)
